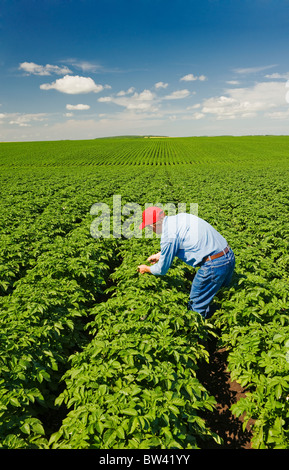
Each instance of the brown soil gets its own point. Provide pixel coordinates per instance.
(216, 378)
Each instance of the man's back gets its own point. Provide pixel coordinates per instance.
(188, 237)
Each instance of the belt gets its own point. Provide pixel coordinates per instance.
(217, 255)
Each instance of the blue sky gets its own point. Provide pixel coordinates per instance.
(80, 69)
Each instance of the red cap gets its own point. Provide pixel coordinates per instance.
(150, 216)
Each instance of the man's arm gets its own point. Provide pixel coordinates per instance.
(154, 258)
(165, 260)
(143, 268)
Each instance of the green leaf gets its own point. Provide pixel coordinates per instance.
(109, 437)
(278, 391)
(38, 428)
(129, 411)
(14, 401)
(120, 432)
(25, 428)
(174, 409)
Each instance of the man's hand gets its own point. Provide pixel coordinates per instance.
(154, 258)
(143, 268)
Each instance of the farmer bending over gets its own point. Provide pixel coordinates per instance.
(198, 244)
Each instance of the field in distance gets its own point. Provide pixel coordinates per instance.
(146, 151)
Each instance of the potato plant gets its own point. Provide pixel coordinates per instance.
(93, 355)
(135, 385)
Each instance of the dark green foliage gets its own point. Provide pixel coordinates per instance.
(94, 355)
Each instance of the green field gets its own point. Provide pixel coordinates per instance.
(80, 368)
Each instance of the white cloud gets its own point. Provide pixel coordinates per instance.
(146, 95)
(73, 85)
(161, 85)
(195, 106)
(262, 95)
(144, 101)
(127, 92)
(191, 78)
(35, 69)
(278, 114)
(253, 69)
(105, 99)
(233, 82)
(77, 107)
(192, 117)
(177, 95)
(84, 65)
(198, 116)
(141, 101)
(278, 75)
(246, 102)
(25, 120)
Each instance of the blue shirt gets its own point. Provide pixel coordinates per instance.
(188, 237)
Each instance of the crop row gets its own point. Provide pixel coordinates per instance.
(134, 385)
(41, 323)
(118, 351)
(52, 272)
(254, 319)
(251, 151)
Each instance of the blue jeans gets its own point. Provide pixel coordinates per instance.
(209, 279)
